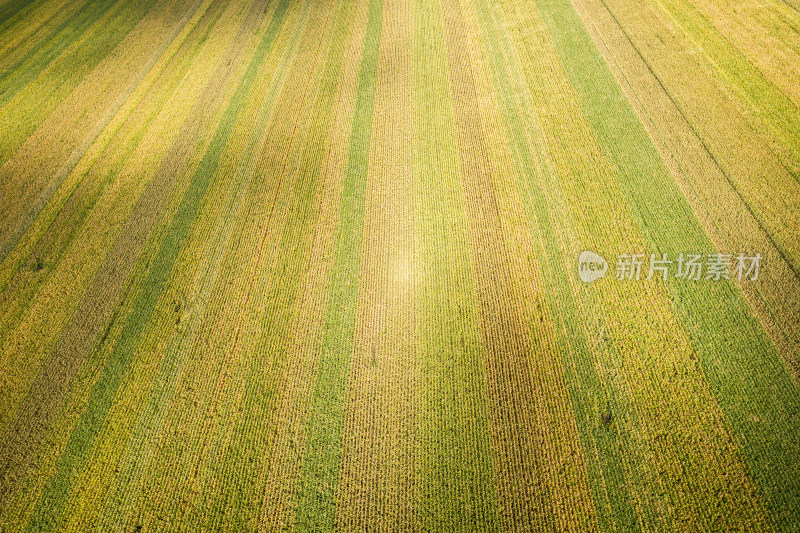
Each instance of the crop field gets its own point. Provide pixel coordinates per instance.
(399, 265)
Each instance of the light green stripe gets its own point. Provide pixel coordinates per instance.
(454, 480)
(760, 399)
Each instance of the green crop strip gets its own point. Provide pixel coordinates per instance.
(748, 378)
(320, 474)
(217, 210)
(603, 449)
(454, 478)
(249, 449)
(49, 508)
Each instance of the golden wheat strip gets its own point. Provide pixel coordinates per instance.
(88, 247)
(270, 289)
(769, 191)
(85, 251)
(754, 64)
(185, 439)
(43, 162)
(454, 464)
(766, 33)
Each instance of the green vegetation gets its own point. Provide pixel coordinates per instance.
(312, 265)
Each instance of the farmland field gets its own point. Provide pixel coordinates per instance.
(399, 265)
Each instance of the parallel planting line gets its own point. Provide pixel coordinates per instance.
(454, 477)
(47, 393)
(768, 190)
(610, 456)
(761, 75)
(129, 168)
(286, 435)
(102, 158)
(229, 468)
(75, 56)
(194, 304)
(731, 346)
(318, 482)
(716, 204)
(375, 490)
(25, 31)
(647, 356)
(69, 129)
(534, 448)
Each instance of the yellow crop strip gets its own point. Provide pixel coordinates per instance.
(86, 249)
(645, 347)
(376, 481)
(768, 188)
(206, 382)
(753, 52)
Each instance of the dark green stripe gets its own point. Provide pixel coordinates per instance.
(320, 474)
(11, 8)
(69, 66)
(51, 504)
(25, 69)
(757, 394)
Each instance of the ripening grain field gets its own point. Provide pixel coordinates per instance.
(316, 265)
